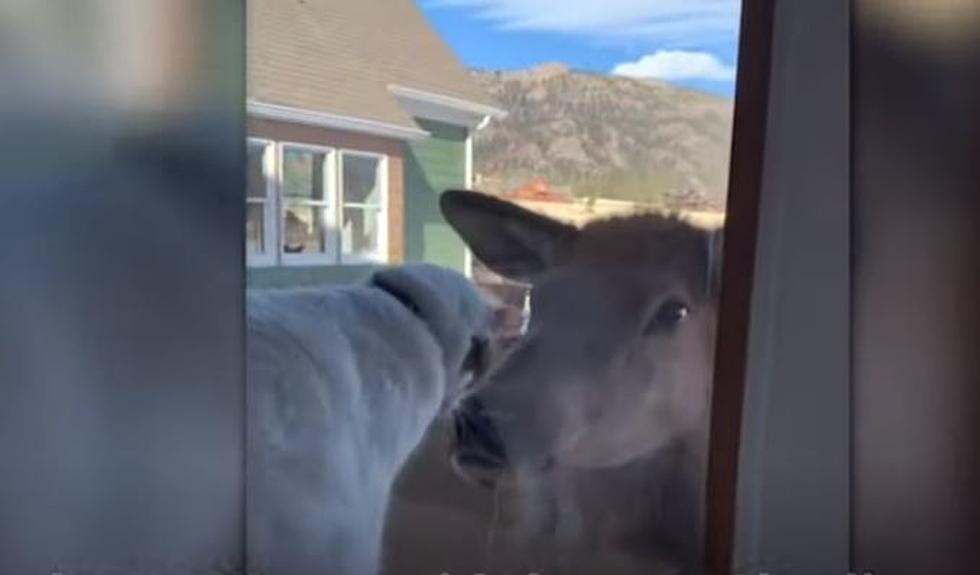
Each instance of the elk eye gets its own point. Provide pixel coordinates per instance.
(668, 316)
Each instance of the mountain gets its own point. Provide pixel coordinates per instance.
(606, 136)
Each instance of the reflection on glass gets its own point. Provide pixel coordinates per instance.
(257, 187)
(303, 228)
(362, 182)
(255, 229)
(361, 232)
(304, 174)
(580, 448)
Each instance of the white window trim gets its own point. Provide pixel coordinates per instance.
(381, 256)
(329, 205)
(333, 206)
(270, 213)
(444, 108)
(468, 181)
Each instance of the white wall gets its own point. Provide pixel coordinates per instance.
(793, 500)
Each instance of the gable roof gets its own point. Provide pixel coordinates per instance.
(351, 58)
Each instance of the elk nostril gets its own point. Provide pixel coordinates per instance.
(476, 433)
(471, 405)
(459, 430)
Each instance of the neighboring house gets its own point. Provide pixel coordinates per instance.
(538, 189)
(359, 116)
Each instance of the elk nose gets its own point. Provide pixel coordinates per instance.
(478, 443)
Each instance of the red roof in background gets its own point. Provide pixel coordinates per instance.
(537, 190)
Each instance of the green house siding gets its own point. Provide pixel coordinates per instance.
(294, 276)
(432, 166)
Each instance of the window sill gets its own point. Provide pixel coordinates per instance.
(259, 262)
(363, 260)
(317, 264)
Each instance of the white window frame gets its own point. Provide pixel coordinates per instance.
(332, 204)
(270, 236)
(328, 204)
(381, 255)
(468, 182)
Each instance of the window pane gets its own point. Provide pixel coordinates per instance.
(256, 175)
(362, 180)
(303, 230)
(304, 174)
(361, 231)
(255, 229)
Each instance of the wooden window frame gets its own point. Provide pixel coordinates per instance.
(739, 252)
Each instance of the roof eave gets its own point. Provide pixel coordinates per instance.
(268, 111)
(443, 108)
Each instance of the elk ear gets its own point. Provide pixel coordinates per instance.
(512, 241)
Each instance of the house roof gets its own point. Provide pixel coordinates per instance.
(537, 189)
(353, 59)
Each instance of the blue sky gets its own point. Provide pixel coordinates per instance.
(691, 43)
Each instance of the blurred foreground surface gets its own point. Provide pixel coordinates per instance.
(121, 292)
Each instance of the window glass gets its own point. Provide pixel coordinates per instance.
(580, 447)
(257, 183)
(304, 174)
(255, 232)
(306, 182)
(362, 180)
(303, 230)
(363, 215)
(361, 231)
(258, 199)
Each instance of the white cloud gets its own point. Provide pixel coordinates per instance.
(678, 65)
(675, 22)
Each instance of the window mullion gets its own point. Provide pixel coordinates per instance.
(276, 207)
(336, 214)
